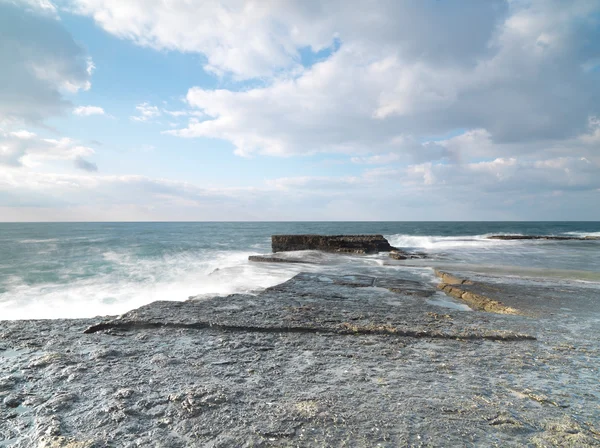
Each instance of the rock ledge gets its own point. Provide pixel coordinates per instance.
(355, 244)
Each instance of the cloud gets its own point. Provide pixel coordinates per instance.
(40, 60)
(259, 39)
(26, 149)
(22, 134)
(505, 176)
(86, 111)
(487, 110)
(145, 112)
(518, 77)
(31, 195)
(505, 188)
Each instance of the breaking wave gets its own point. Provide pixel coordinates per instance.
(443, 242)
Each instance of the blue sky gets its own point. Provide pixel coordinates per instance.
(299, 110)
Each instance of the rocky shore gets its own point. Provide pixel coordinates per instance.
(320, 360)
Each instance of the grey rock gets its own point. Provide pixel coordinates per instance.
(320, 360)
(12, 400)
(124, 393)
(357, 244)
(7, 383)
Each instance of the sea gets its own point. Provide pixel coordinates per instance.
(76, 270)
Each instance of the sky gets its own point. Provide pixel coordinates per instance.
(231, 110)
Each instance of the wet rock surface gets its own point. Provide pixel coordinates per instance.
(398, 254)
(320, 360)
(356, 244)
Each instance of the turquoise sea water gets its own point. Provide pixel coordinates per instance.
(51, 270)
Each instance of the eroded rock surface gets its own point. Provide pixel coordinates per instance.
(320, 360)
(359, 244)
(470, 293)
(398, 254)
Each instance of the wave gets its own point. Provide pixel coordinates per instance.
(433, 243)
(126, 282)
(583, 234)
(118, 280)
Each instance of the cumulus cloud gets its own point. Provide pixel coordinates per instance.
(518, 77)
(40, 60)
(259, 38)
(86, 111)
(520, 70)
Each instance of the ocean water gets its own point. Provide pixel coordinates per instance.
(68, 270)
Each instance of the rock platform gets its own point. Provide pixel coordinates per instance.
(320, 360)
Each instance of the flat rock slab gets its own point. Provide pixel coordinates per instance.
(364, 244)
(312, 302)
(320, 360)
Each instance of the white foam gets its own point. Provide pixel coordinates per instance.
(433, 243)
(135, 282)
(583, 234)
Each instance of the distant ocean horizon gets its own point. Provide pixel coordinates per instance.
(84, 269)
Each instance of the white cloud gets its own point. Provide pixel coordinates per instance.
(90, 66)
(504, 176)
(522, 83)
(23, 134)
(259, 38)
(86, 111)
(26, 149)
(252, 39)
(145, 112)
